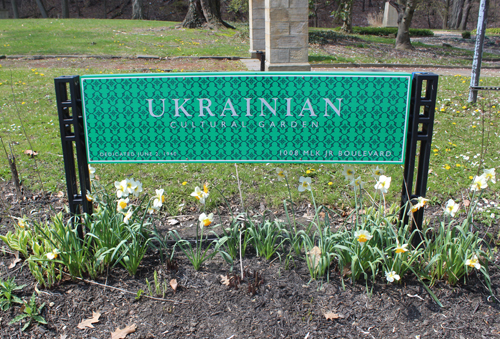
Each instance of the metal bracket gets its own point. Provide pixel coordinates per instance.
(69, 108)
(421, 123)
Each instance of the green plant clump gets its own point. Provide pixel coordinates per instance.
(386, 31)
(466, 35)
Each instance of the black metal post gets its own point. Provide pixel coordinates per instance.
(421, 123)
(72, 137)
(261, 55)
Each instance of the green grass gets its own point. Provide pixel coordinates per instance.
(117, 37)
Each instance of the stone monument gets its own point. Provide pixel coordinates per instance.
(390, 16)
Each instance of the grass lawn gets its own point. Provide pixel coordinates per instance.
(464, 134)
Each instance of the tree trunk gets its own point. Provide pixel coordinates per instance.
(345, 13)
(405, 9)
(465, 15)
(104, 10)
(65, 9)
(455, 16)
(42, 8)
(138, 10)
(204, 11)
(14, 9)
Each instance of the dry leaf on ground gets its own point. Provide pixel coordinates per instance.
(88, 322)
(331, 315)
(15, 261)
(173, 284)
(314, 256)
(224, 280)
(121, 334)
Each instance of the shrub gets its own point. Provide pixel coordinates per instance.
(489, 31)
(386, 31)
(466, 35)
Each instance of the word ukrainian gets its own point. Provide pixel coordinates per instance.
(246, 117)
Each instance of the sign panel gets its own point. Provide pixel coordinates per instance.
(247, 117)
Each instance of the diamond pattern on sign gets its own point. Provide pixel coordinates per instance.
(247, 117)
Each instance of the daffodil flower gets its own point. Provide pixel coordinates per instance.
(127, 217)
(304, 184)
(131, 185)
(281, 174)
(357, 184)
(53, 255)
(478, 183)
(489, 174)
(401, 249)
(21, 222)
(206, 220)
(362, 236)
(200, 195)
(348, 172)
(152, 210)
(159, 199)
(421, 201)
(122, 205)
(136, 188)
(378, 171)
(474, 262)
(391, 276)
(451, 208)
(121, 188)
(89, 196)
(383, 184)
(91, 172)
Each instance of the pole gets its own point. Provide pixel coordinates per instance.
(478, 50)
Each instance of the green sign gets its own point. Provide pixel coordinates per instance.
(247, 117)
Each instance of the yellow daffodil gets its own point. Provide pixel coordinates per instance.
(304, 184)
(159, 199)
(199, 195)
(53, 255)
(474, 262)
(206, 220)
(122, 205)
(348, 172)
(401, 249)
(489, 175)
(383, 184)
(478, 183)
(391, 276)
(362, 236)
(281, 174)
(451, 208)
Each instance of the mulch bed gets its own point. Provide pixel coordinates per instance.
(277, 303)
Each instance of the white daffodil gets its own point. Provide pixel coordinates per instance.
(281, 174)
(304, 184)
(137, 188)
(131, 185)
(391, 276)
(474, 262)
(53, 255)
(348, 172)
(91, 172)
(206, 220)
(121, 188)
(22, 222)
(200, 195)
(489, 174)
(127, 217)
(357, 184)
(152, 210)
(451, 208)
(378, 171)
(122, 205)
(383, 184)
(159, 199)
(362, 236)
(89, 196)
(401, 249)
(479, 183)
(421, 201)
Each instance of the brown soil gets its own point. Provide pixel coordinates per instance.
(284, 303)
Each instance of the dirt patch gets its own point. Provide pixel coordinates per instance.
(270, 302)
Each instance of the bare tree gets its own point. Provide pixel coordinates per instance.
(405, 9)
(14, 9)
(465, 15)
(41, 7)
(202, 12)
(344, 13)
(65, 9)
(138, 10)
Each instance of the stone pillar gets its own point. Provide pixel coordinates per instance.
(390, 16)
(287, 35)
(256, 9)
